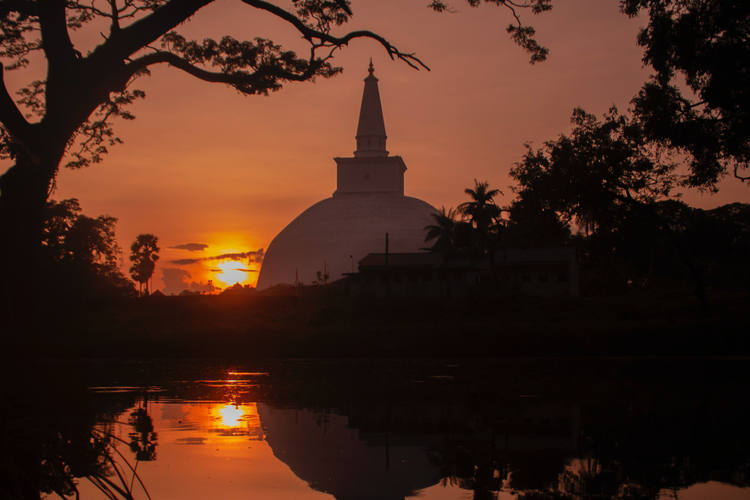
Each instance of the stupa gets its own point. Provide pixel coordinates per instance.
(333, 235)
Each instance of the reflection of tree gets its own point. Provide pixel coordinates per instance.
(622, 457)
(143, 438)
(67, 456)
(53, 434)
(657, 428)
(474, 466)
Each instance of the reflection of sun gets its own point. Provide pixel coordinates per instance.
(232, 271)
(231, 415)
(236, 421)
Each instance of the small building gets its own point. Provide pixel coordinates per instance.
(542, 272)
(418, 274)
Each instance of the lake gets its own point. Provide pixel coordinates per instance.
(373, 429)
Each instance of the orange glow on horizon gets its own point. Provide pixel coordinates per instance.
(227, 259)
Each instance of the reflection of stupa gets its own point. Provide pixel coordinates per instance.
(332, 457)
(368, 202)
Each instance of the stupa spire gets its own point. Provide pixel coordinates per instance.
(371, 127)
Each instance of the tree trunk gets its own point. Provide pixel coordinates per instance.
(23, 195)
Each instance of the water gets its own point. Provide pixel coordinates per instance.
(523, 429)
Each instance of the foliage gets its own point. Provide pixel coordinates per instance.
(481, 209)
(442, 230)
(93, 88)
(595, 173)
(144, 253)
(522, 34)
(71, 237)
(80, 251)
(698, 99)
(476, 232)
(484, 216)
(530, 225)
(604, 177)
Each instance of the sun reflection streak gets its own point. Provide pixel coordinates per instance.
(236, 421)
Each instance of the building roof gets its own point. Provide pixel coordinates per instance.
(416, 259)
(519, 255)
(432, 260)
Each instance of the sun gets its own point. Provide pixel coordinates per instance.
(231, 272)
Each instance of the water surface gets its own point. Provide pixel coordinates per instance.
(528, 429)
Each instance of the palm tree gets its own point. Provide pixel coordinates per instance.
(482, 211)
(442, 231)
(144, 252)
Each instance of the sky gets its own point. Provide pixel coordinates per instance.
(215, 174)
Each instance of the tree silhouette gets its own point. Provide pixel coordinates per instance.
(144, 252)
(443, 231)
(59, 219)
(483, 213)
(87, 243)
(592, 175)
(75, 104)
(91, 242)
(481, 209)
(698, 99)
(531, 225)
(80, 254)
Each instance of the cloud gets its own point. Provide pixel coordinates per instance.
(184, 262)
(245, 270)
(177, 280)
(191, 247)
(253, 256)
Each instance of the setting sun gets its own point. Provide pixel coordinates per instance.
(231, 272)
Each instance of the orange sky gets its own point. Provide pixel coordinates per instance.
(203, 164)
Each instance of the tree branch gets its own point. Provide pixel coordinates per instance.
(11, 117)
(737, 174)
(257, 80)
(115, 26)
(136, 36)
(58, 49)
(311, 34)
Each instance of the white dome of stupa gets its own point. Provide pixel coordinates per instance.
(334, 234)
